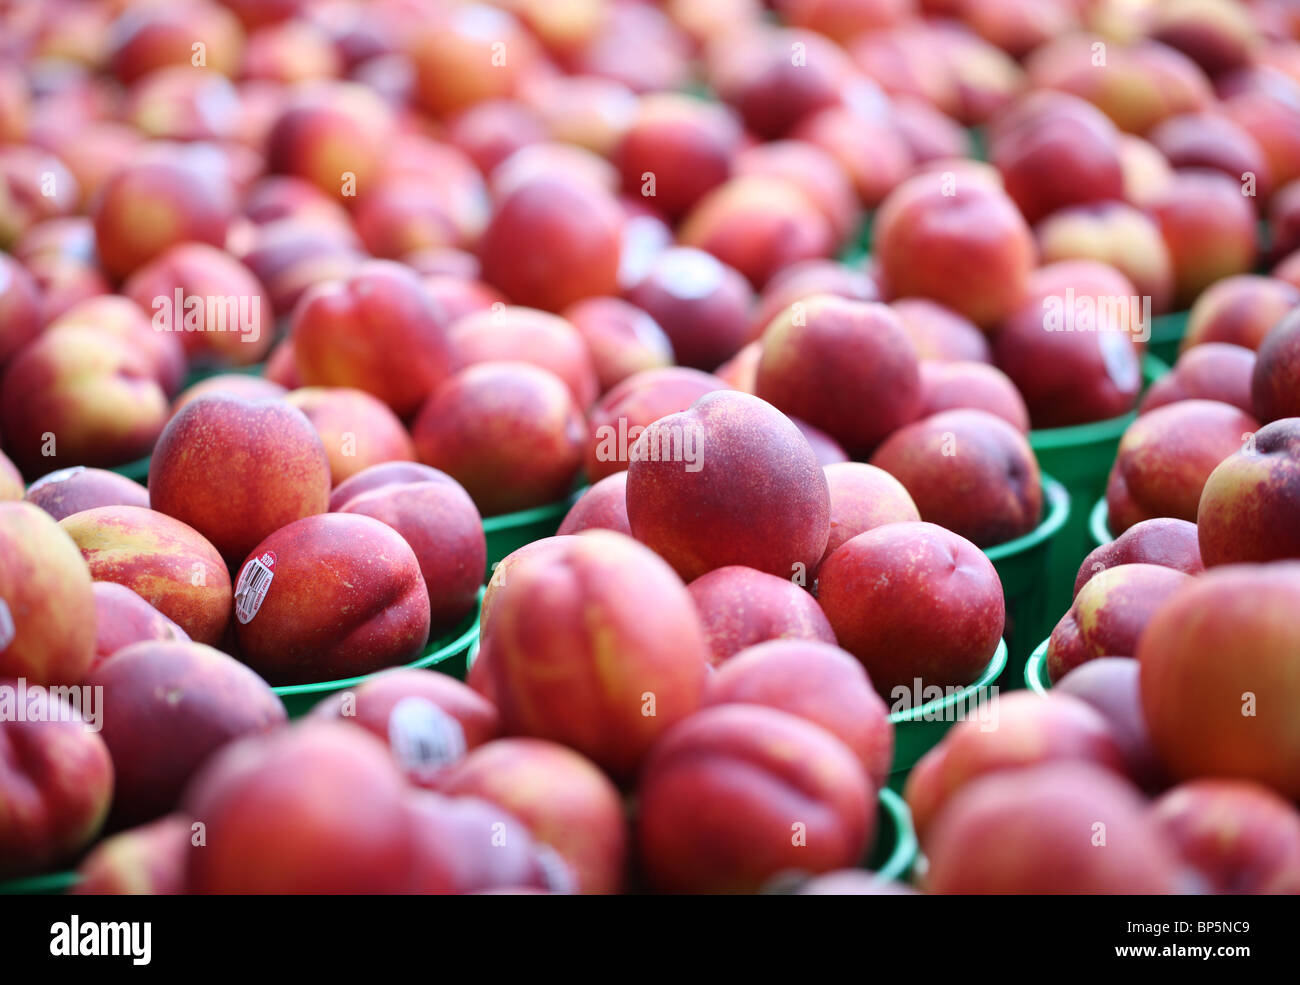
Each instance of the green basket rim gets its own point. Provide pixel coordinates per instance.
(43, 885)
(537, 514)
(1099, 522)
(1058, 499)
(906, 846)
(455, 642)
(1036, 670)
(990, 674)
(1044, 439)
(137, 471)
(1170, 327)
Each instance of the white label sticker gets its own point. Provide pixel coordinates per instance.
(254, 583)
(7, 630)
(423, 737)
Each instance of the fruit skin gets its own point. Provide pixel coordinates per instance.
(508, 432)
(740, 607)
(563, 798)
(145, 861)
(315, 808)
(439, 521)
(1241, 837)
(725, 794)
(937, 614)
(58, 785)
(622, 339)
(1028, 731)
(1239, 310)
(1164, 540)
(375, 329)
(238, 470)
(1109, 614)
(45, 589)
(1275, 381)
(11, 480)
(552, 242)
(167, 707)
(1248, 506)
(940, 334)
(863, 497)
(122, 617)
(603, 506)
(747, 490)
(167, 563)
(356, 429)
(121, 318)
(346, 598)
(970, 250)
(1211, 371)
(847, 367)
(1166, 456)
(20, 307)
(582, 674)
(66, 491)
(1209, 227)
(93, 393)
(1110, 685)
(328, 130)
(972, 386)
(816, 681)
(1218, 681)
(634, 405)
(1034, 831)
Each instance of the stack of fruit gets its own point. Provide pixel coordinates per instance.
(739, 348)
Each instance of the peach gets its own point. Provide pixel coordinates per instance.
(602, 507)
(800, 281)
(739, 793)
(530, 336)
(825, 448)
(563, 798)
(20, 308)
(64, 282)
(74, 489)
(236, 385)
(402, 215)
(121, 318)
(237, 470)
(378, 331)
(11, 480)
(1146, 172)
(1166, 456)
(702, 303)
(333, 134)
(586, 673)
(1110, 686)
(740, 372)
(508, 432)
(35, 186)
(122, 617)
(986, 78)
(290, 52)
(290, 256)
(864, 497)
(960, 242)
(436, 517)
(183, 102)
(729, 481)
(1240, 837)
(1209, 227)
(146, 38)
(974, 386)
(740, 607)
(154, 203)
(869, 589)
(1114, 233)
(826, 360)
(1275, 375)
(1164, 541)
(1109, 613)
(845, 20)
(211, 299)
(621, 338)
(554, 161)
(939, 333)
(47, 606)
(456, 295)
(330, 596)
(1217, 679)
(356, 429)
(490, 131)
(1212, 141)
(1239, 310)
(458, 62)
(552, 242)
(826, 181)
(930, 134)
(1019, 26)
(145, 861)
(758, 225)
(815, 681)
(969, 471)
(167, 707)
(1246, 510)
(1210, 371)
(1217, 35)
(58, 782)
(75, 397)
(1273, 120)
(869, 147)
(316, 808)
(1038, 830)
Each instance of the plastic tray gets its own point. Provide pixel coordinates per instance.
(894, 854)
(1036, 678)
(1098, 521)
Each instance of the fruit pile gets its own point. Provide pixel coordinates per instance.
(613, 445)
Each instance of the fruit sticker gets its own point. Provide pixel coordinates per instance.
(254, 583)
(7, 631)
(423, 737)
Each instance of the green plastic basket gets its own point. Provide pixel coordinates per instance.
(1036, 678)
(895, 850)
(1098, 524)
(448, 654)
(137, 471)
(508, 532)
(1167, 333)
(1023, 565)
(917, 730)
(50, 884)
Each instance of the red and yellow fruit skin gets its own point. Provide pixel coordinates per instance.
(1275, 382)
(1164, 541)
(346, 598)
(572, 657)
(122, 617)
(1239, 310)
(740, 607)
(145, 861)
(167, 563)
(1247, 511)
(66, 491)
(864, 497)
(357, 430)
(11, 480)
(1210, 371)
(45, 587)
